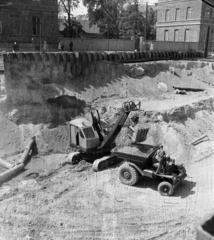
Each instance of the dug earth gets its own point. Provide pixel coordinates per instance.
(54, 200)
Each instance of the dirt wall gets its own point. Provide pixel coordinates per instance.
(44, 91)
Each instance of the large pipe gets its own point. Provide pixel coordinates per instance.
(8, 174)
(5, 164)
(11, 172)
(189, 89)
(27, 150)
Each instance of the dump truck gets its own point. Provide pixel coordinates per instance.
(138, 161)
(93, 142)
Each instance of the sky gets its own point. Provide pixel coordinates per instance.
(81, 10)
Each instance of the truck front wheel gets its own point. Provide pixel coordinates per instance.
(165, 189)
(128, 175)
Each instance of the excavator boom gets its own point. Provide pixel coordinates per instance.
(109, 139)
(126, 109)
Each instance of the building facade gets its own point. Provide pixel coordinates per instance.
(28, 23)
(183, 24)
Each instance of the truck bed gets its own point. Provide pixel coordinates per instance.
(139, 154)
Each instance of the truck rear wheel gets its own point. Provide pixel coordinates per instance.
(128, 175)
(165, 189)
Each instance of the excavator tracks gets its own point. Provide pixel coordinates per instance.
(105, 162)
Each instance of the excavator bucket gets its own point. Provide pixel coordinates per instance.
(139, 134)
(131, 106)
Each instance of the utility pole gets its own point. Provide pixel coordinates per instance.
(207, 42)
(40, 32)
(211, 4)
(136, 17)
(146, 20)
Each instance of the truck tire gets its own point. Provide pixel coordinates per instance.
(128, 175)
(165, 189)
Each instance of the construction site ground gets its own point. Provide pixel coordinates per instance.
(53, 199)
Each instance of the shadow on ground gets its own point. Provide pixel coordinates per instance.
(183, 190)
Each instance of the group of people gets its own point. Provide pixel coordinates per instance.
(61, 46)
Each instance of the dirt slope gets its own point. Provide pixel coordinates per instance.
(42, 108)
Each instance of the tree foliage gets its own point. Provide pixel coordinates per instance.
(151, 24)
(71, 25)
(106, 13)
(132, 22)
(121, 18)
(73, 29)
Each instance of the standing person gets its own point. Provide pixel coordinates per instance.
(59, 45)
(142, 44)
(159, 159)
(152, 47)
(14, 46)
(44, 46)
(71, 47)
(62, 46)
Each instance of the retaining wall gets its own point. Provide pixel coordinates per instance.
(89, 57)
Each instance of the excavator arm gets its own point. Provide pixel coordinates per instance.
(126, 109)
(106, 161)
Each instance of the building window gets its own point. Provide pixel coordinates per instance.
(178, 14)
(167, 15)
(0, 27)
(207, 13)
(176, 35)
(15, 25)
(189, 13)
(186, 35)
(166, 35)
(36, 25)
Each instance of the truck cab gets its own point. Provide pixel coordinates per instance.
(82, 135)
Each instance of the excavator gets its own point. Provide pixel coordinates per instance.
(93, 142)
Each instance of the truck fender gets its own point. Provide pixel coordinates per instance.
(137, 168)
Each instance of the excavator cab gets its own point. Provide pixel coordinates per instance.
(83, 135)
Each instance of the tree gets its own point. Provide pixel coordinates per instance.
(132, 21)
(151, 24)
(106, 13)
(73, 28)
(67, 6)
